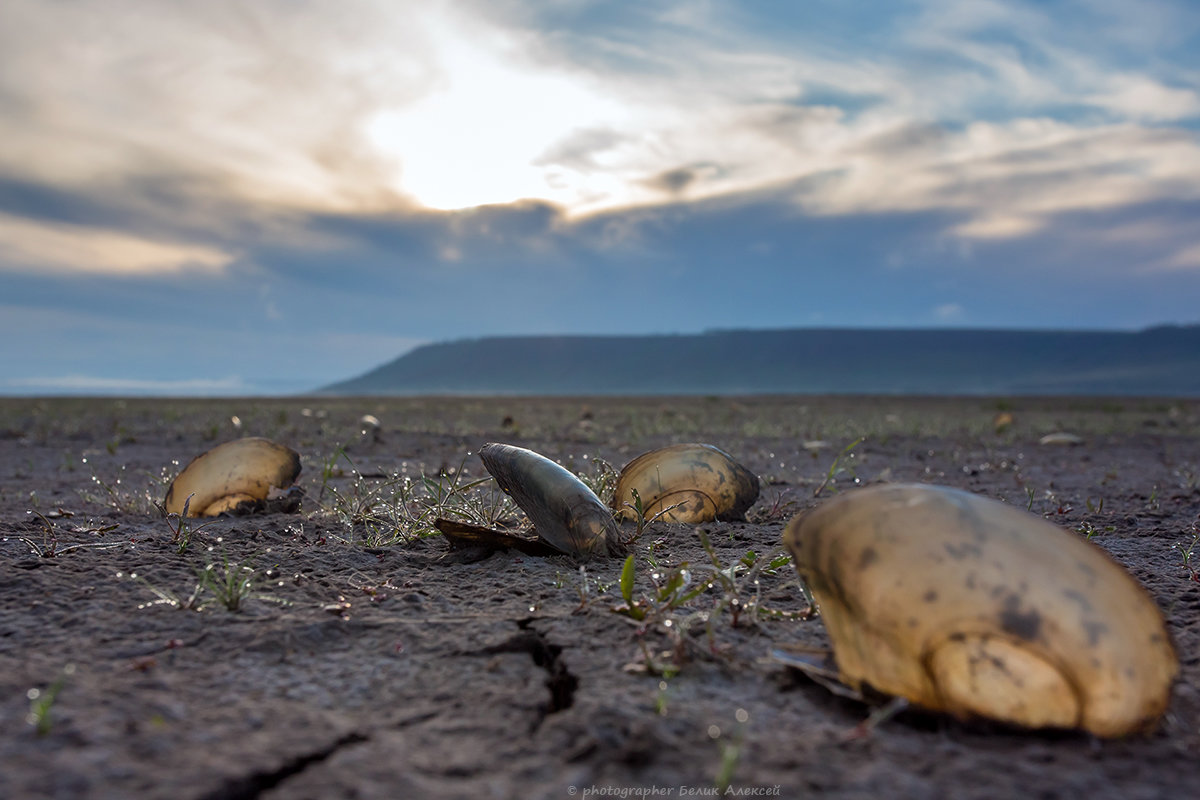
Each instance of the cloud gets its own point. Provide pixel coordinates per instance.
(1138, 97)
(61, 247)
(256, 99)
(285, 109)
(436, 169)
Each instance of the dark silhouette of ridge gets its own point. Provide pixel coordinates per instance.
(1160, 361)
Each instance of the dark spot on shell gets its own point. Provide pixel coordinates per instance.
(1094, 631)
(867, 557)
(913, 622)
(970, 580)
(957, 636)
(931, 596)
(1023, 626)
(960, 551)
(1079, 599)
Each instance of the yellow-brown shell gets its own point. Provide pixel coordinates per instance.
(970, 606)
(232, 475)
(701, 481)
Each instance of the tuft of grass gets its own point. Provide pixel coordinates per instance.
(226, 583)
(683, 597)
(397, 508)
(230, 584)
(602, 480)
(181, 530)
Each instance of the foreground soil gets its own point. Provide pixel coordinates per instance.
(366, 662)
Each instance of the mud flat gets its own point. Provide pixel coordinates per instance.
(362, 658)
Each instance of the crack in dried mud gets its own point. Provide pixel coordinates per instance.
(253, 785)
(560, 682)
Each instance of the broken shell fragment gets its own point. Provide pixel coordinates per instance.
(232, 476)
(564, 511)
(467, 536)
(973, 607)
(702, 482)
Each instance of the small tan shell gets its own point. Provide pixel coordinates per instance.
(231, 475)
(973, 607)
(702, 481)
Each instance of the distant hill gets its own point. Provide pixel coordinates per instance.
(1157, 361)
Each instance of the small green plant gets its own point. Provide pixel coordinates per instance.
(181, 530)
(1185, 554)
(329, 469)
(398, 508)
(731, 753)
(640, 519)
(669, 605)
(779, 508)
(602, 480)
(226, 583)
(42, 701)
(230, 584)
(660, 699)
(836, 468)
(627, 590)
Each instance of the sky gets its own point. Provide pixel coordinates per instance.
(242, 197)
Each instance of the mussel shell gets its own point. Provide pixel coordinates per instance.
(232, 475)
(563, 510)
(702, 482)
(974, 607)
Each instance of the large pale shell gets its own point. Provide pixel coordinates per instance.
(231, 475)
(564, 511)
(701, 481)
(973, 607)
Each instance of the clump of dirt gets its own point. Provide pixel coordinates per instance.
(334, 652)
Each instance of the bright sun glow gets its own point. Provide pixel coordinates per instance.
(475, 138)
